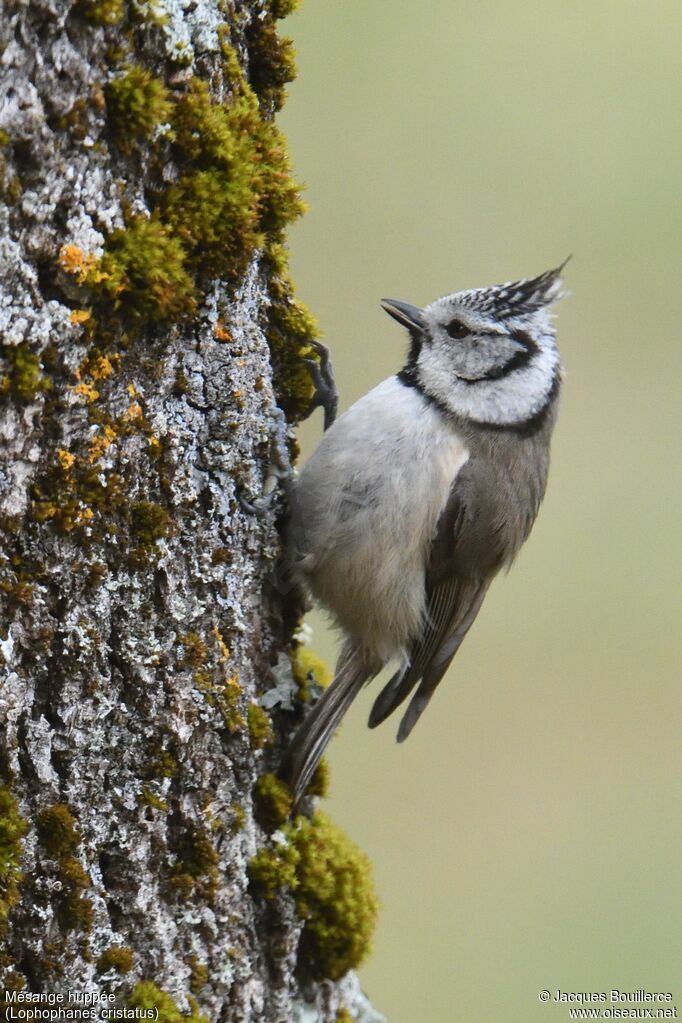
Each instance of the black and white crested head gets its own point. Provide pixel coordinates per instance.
(488, 355)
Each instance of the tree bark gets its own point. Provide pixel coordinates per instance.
(152, 349)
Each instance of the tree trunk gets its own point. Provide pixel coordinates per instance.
(151, 355)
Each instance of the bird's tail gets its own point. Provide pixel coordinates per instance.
(310, 741)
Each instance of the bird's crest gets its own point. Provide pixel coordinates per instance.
(516, 298)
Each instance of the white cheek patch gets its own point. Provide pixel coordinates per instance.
(511, 399)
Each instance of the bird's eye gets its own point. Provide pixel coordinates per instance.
(456, 328)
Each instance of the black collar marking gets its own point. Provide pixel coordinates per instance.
(523, 428)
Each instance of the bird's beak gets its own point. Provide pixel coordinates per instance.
(411, 316)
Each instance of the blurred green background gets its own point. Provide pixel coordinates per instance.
(529, 834)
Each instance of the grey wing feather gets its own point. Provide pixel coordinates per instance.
(310, 741)
(440, 608)
(439, 665)
(453, 601)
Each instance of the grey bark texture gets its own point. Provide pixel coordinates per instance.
(140, 624)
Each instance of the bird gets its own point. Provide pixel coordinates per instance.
(421, 492)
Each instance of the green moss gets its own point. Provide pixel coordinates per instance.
(59, 837)
(198, 975)
(137, 102)
(238, 818)
(147, 996)
(319, 783)
(161, 764)
(116, 957)
(332, 887)
(272, 63)
(233, 195)
(196, 870)
(335, 897)
(194, 650)
(259, 725)
(102, 12)
(74, 495)
(283, 8)
(149, 523)
(23, 378)
(272, 869)
(343, 1016)
(143, 274)
(272, 800)
(57, 830)
(308, 670)
(237, 185)
(148, 797)
(12, 830)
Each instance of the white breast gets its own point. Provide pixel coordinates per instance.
(368, 501)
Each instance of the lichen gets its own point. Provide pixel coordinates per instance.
(58, 835)
(272, 800)
(116, 957)
(147, 997)
(12, 830)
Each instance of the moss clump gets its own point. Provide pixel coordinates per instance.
(148, 797)
(137, 102)
(59, 837)
(319, 783)
(283, 8)
(147, 996)
(343, 1016)
(335, 897)
(198, 975)
(273, 869)
(332, 887)
(194, 650)
(272, 802)
(149, 523)
(308, 671)
(75, 494)
(259, 725)
(116, 957)
(290, 329)
(102, 12)
(12, 830)
(24, 377)
(272, 63)
(237, 184)
(161, 764)
(196, 870)
(143, 274)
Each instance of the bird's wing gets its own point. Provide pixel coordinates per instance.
(454, 594)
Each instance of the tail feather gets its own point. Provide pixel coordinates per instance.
(310, 741)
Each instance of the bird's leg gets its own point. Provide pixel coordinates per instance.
(326, 395)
